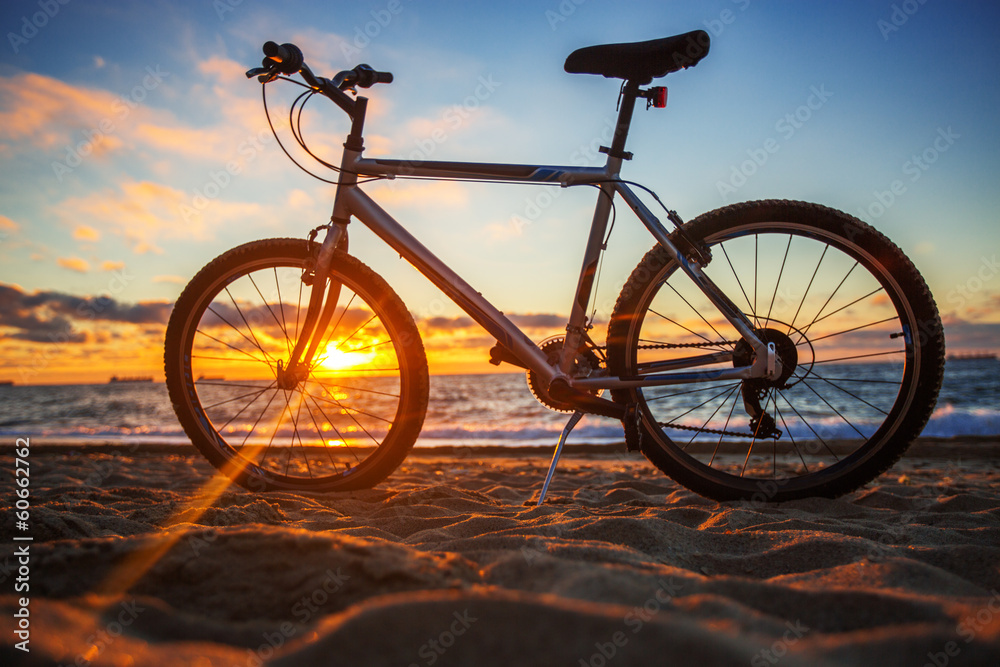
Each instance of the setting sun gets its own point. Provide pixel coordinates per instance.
(336, 358)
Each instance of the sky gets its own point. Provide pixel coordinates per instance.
(133, 151)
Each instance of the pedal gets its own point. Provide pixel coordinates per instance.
(633, 434)
(500, 354)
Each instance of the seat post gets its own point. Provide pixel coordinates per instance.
(625, 111)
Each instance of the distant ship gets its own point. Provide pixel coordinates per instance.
(972, 356)
(135, 378)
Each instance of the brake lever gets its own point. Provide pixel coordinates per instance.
(263, 74)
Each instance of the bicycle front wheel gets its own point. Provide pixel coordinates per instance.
(347, 424)
(855, 327)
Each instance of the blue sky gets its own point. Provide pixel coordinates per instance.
(152, 94)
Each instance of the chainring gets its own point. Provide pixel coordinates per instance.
(586, 364)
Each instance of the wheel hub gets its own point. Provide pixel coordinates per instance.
(289, 378)
(743, 355)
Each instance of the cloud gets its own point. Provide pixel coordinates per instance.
(178, 280)
(538, 321)
(109, 265)
(49, 317)
(453, 325)
(144, 212)
(76, 122)
(962, 335)
(8, 225)
(86, 233)
(449, 323)
(74, 264)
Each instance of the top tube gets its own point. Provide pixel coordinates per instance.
(518, 173)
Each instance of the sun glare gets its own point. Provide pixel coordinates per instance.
(337, 358)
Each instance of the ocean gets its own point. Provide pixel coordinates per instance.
(464, 410)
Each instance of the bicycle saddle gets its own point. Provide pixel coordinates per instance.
(640, 61)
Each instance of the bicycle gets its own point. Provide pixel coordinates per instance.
(293, 366)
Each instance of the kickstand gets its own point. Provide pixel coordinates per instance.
(573, 421)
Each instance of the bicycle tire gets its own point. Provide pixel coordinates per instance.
(347, 425)
(829, 443)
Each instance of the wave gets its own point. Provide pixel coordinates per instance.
(947, 421)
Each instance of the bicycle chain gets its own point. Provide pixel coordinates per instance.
(664, 346)
(734, 434)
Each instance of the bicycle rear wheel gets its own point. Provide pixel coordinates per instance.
(852, 321)
(347, 425)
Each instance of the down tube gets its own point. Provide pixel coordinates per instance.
(468, 299)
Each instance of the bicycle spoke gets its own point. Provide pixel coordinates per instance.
(725, 427)
(858, 356)
(711, 416)
(852, 329)
(851, 394)
(696, 312)
(830, 298)
(819, 262)
(777, 282)
(738, 281)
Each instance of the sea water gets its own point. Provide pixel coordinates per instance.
(464, 410)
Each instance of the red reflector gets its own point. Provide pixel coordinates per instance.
(660, 97)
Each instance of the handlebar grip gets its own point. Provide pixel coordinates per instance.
(285, 58)
(367, 77)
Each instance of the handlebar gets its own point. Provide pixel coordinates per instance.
(287, 59)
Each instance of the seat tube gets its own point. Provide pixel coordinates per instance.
(576, 328)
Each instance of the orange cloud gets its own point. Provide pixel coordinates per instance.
(74, 264)
(144, 212)
(108, 265)
(8, 224)
(86, 233)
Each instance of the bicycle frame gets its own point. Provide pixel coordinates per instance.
(352, 201)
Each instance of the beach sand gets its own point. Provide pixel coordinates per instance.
(143, 556)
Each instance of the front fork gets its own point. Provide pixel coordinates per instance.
(322, 304)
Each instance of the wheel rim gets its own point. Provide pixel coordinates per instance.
(333, 423)
(837, 305)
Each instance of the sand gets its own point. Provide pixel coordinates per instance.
(140, 558)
